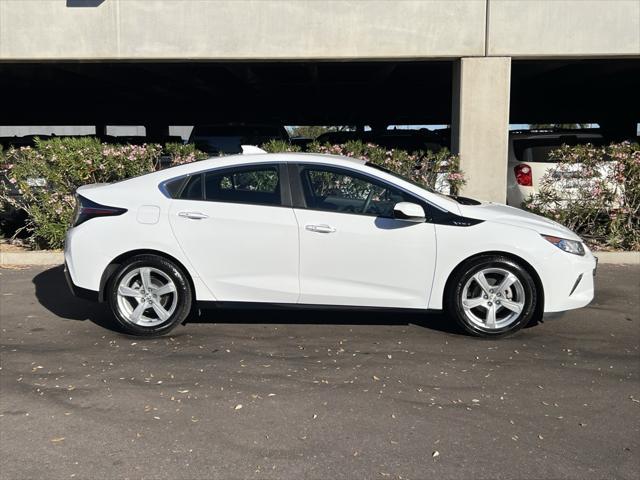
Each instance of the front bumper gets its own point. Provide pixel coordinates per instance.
(568, 281)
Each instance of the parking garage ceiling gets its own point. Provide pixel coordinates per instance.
(407, 92)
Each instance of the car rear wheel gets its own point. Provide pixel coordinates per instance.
(491, 296)
(149, 295)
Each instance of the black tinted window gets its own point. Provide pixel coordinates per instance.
(255, 185)
(193, 190)
(173, 187)
(538, 149)
(345, 192)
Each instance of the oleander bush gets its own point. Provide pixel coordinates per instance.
(595, 191)
(438, 170)
(41, 180)
(180, 153)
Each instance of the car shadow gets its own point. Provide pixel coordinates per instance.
(53, 293)
(320, 316)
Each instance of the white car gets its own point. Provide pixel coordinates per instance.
(529, 161)
(317, 230)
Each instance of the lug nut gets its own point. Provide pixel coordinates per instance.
(489, 303)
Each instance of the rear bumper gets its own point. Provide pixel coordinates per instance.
(79, 291)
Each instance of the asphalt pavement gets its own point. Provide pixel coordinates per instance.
(316, 395)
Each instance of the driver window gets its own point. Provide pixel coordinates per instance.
(337, 190)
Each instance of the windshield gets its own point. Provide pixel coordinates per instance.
(401, 177)
(455, 198)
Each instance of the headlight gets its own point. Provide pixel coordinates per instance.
(569, 246)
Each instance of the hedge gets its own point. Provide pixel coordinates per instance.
(594, 191)
(47, 175)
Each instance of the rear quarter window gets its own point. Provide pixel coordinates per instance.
(537, 150)
(173, 187)
(193, 189)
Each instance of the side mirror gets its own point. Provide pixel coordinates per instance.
(411, 212)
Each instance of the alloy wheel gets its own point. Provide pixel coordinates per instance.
(147, 297)
(493, 298)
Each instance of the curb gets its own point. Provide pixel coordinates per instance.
(47, 257)
(618, 258)
(44, 257)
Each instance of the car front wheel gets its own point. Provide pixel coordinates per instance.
(149, 295)
(491, 296)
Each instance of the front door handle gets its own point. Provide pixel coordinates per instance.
(320, 228)
(193, 215)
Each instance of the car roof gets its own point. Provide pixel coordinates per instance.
(154, 179)
(253, 158)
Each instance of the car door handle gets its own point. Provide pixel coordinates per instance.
(320, 228)
(193, 215)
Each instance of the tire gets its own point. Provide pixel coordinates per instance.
(149, 296)
(469, 300)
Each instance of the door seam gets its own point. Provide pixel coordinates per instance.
(299, 256)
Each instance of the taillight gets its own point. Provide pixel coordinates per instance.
(87, 209)
(523, 175)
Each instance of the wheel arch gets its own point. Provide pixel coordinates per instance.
(120, 259)
(519, 260)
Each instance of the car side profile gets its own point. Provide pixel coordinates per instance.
(319, 230)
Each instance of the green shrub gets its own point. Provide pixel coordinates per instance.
(181, 153)
(594, 191)
(48, 174)
(438, 170)
(278, 146)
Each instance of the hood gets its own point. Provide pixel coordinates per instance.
(504, 214)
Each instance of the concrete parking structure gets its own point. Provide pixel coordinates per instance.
(474, 65)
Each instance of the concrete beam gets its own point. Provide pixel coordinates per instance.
(316, 29)
(480, 127)
(241, 29)
(556, 28)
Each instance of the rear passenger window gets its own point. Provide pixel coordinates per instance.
(258, 185)
(193, 190)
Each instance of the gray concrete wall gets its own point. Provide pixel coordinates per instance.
(241, 29)
(480, 127)
(525, 28)
(316, 29)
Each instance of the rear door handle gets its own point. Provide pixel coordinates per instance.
(320, 228)
(193, 215)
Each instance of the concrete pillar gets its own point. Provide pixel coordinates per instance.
(480, 125)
